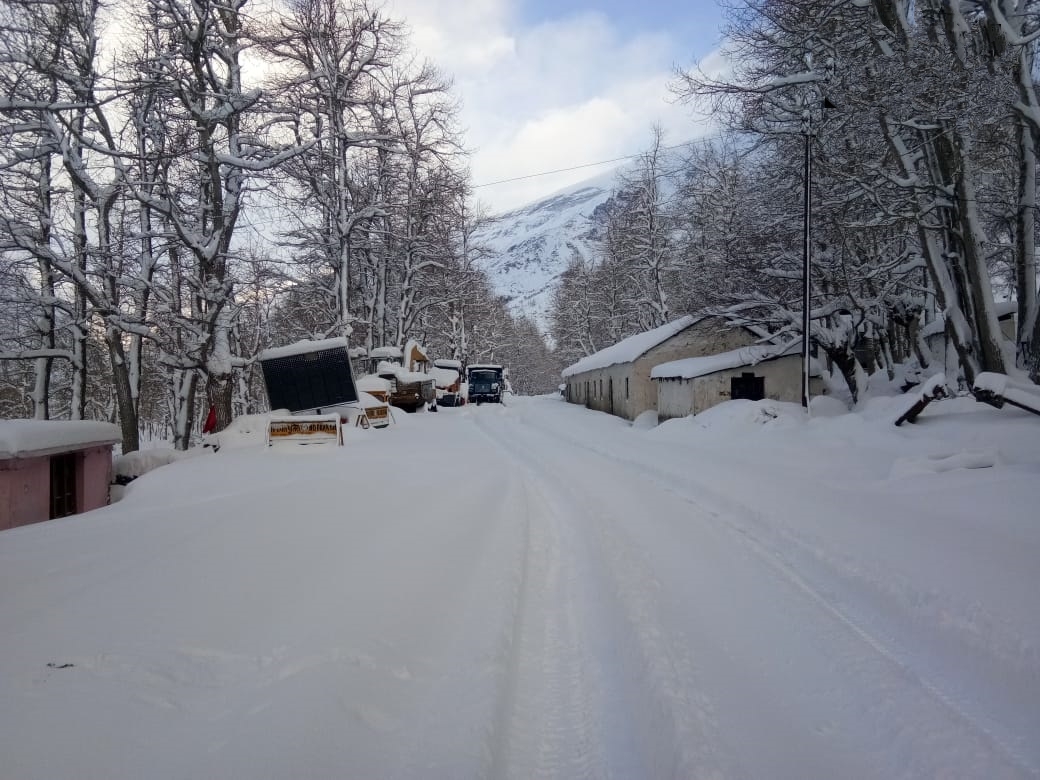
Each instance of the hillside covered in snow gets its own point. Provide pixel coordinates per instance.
(529, 247)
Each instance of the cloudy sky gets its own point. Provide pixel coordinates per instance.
(548, 84)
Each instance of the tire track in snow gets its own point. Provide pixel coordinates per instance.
(547, 719)
(728, 521)
(589, 716)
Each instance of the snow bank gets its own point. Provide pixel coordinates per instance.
(741, 414)
(134, 464)
(827, 406)
(645, 420)
(939, 463)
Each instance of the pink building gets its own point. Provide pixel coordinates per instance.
(53, 468)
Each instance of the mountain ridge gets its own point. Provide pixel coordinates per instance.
(530, 246)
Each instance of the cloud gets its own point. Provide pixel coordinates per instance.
(568, 90)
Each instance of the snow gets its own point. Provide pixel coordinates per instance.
(388, 353)
(1015, 391)
(406, 377)
(991, 382)
(690, 368)
(369, 401)
(752, 592)
(531, 246)
(444, 377)
(140, 462)
(303, 347)
(627, 350)
(22, 438)
(372, 382)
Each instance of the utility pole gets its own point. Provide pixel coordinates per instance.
(806, 240)
(807, 247)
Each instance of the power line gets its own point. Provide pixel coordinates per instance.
(574, 167)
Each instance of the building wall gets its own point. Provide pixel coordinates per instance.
(94, 478)
(702, 338)
(783, 382)
(24, 491)
(25, 483)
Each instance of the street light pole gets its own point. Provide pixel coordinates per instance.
(806, 279)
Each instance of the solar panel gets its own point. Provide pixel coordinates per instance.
(310, 380)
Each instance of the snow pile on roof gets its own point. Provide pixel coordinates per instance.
(444, 377)
(689, 368)
(21, 438)
(630, 349)
(303, 347)
(412, 376)
(372, 382)
(386, 353)
(448, 363)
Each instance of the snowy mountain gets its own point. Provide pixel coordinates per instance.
(530, 246)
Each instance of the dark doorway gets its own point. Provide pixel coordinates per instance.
(63, 485)
(748, 386)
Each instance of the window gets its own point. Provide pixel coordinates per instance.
(601, 388)
(626, 388)
(63, 485)
(748, 386)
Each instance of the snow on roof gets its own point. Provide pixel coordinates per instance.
(444, 377)
(688, 368)
(448, 363)
(412, 376)
(21, 438)
(371, 382)
(303, 347)
(630, 349)
(393, 353)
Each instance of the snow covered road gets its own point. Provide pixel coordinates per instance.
(549, 593)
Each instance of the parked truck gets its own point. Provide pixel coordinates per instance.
(486, 382)
(447, 375)
(411, 388)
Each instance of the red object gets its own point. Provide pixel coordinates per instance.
(211, 421)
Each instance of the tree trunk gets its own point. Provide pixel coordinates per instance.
(851, 370)
(1028, 335)
(970, 261)
(185, 385)
(124, 396)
